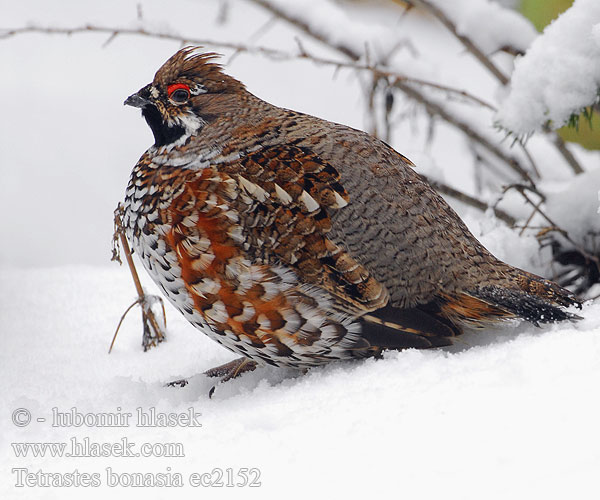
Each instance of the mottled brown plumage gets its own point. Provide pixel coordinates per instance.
(296, 241)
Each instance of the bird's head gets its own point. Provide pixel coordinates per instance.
(187, 92)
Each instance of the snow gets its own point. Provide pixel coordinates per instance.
(575, 205)
(506, 413)
(506, 29)
(325, 17)
(559, 75)
(509, 28)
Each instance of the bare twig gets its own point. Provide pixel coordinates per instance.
(402, 84)
(276, 54)
(513, 51)
(110, 39)
(555, 227)
(125, 245)
(389, 105)
(400, 81)
(436, 109)
(564, 151)
(470, 200)
(437, 86)
(432, 108)
(465, 40)
(121, 322)
(523, 187)
(92, 28)
(530, 159)
(153, 333)
(372, 92)
(223, 12)
(503, 79)
(530, 218)
(304, 26)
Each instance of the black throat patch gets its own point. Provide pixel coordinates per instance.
(163, 133)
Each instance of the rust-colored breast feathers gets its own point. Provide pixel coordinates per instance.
(245, 242)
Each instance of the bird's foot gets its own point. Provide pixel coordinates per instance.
(178, 383)
(230, 370)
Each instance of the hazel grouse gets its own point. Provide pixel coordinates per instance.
(295, 241)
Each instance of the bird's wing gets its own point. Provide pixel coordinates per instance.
(287, 196)
(236, 225)
(300, 213)
(395, 224)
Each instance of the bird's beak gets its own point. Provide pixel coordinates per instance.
(136, 100)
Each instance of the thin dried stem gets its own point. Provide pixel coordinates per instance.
(531, 160)
(125, 245)
(530, 218)
(120, 322)
(503, 79)
(275, 54)
(470, 200)
(402, 84)
(352, 54)
(304, 26)
(436, 109)
(92, 28)
(465, 40)
(565, 152)
(555, 227)
(152, 332)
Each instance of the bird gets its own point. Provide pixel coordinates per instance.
(294, 241)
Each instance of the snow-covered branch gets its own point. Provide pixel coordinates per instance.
(463, 19)
(378, 70)
(559, 75)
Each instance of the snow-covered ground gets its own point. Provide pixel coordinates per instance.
(511, 413)
(508, 413)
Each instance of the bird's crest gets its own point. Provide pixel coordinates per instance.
(190, 63)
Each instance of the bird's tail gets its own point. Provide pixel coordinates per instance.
(524, 295)
(518, 294)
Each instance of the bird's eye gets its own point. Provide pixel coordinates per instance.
(178, 92)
